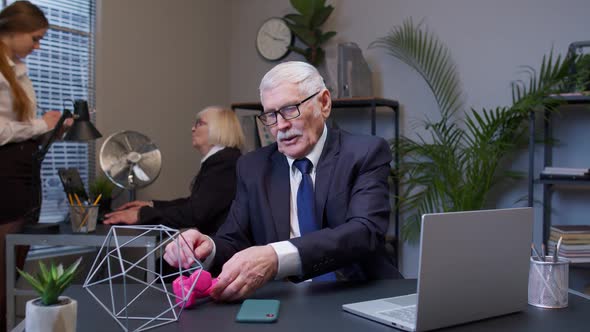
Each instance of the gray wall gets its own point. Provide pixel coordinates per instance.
(158, 63)
(155, 60)
(489, 40)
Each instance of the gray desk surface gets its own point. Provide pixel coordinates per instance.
(579, 278)
(65, 237)
(317, 307)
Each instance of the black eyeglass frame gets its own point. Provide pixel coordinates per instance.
(262, 116)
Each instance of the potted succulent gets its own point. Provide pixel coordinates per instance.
(51, 312)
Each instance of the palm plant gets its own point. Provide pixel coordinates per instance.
(455, 166)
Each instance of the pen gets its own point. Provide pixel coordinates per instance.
(97, 199)
(535, 253)
(543, 251)
(557, 247)
(77, 199)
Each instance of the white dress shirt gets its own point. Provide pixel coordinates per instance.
(288, 255)
(12, 130)
(289, 259)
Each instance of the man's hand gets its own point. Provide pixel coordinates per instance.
(190, 242)
(127, 217)
(245, 272)
(134, 204)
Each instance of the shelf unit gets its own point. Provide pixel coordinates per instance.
(549, 185)
(362, 102)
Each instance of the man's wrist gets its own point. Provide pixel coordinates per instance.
(288, 259)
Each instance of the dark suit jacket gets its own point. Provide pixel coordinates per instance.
(352, 201)
(206, 208)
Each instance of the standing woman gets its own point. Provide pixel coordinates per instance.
(22, 25)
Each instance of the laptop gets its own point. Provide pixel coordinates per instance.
(473, 265)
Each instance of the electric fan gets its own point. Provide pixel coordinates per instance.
(130, 160)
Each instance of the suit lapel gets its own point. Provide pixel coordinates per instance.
(279, 195)
(324, 172)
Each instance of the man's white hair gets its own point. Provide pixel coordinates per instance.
(305, 76)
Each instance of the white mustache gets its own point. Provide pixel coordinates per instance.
(281, 135)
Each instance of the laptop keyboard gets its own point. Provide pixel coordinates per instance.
(405, 314)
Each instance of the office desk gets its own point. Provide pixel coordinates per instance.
(65, 237)
(317, 307)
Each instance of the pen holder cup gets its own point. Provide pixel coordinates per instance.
(83, 218)
(548, 283)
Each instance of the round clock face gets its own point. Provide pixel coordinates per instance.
(274, 36)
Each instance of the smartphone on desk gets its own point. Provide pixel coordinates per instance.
(258, 311)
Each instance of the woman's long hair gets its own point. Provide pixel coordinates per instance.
(19, 17)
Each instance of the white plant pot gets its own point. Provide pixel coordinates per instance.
(55, 318)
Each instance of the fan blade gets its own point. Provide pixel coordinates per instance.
(128, 143)
(117, 168)
(150, 163)
(140, 173)
(119, 146)
(151, 156)
(146, 148)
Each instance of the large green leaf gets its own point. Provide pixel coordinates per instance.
(31, 280)
(50, 295)
(307, 7)
(297, 19)
(326, 36)
(69, 273)
(423, 51)
(305, 35)
(320, 16)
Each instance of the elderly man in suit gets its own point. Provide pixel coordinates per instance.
(313, 205)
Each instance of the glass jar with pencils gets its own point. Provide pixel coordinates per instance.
(83, 215)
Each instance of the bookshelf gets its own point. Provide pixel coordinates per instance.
(550, 185)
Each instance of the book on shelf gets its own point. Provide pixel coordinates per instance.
(574, 242)
(571, 229)
(575, 245)
(566, 171)
(545, 176)
(569, 237)
(570, 249)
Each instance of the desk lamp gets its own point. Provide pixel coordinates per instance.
(81, 130)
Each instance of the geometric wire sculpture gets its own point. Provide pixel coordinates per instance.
(125, 271)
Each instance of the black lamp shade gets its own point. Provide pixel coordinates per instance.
(82, 129)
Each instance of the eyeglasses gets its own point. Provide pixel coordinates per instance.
(287, 112)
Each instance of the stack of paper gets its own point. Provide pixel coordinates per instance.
(575, 244)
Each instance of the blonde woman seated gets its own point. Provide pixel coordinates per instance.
(217, 135)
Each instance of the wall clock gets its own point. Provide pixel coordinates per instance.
(273, 39)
